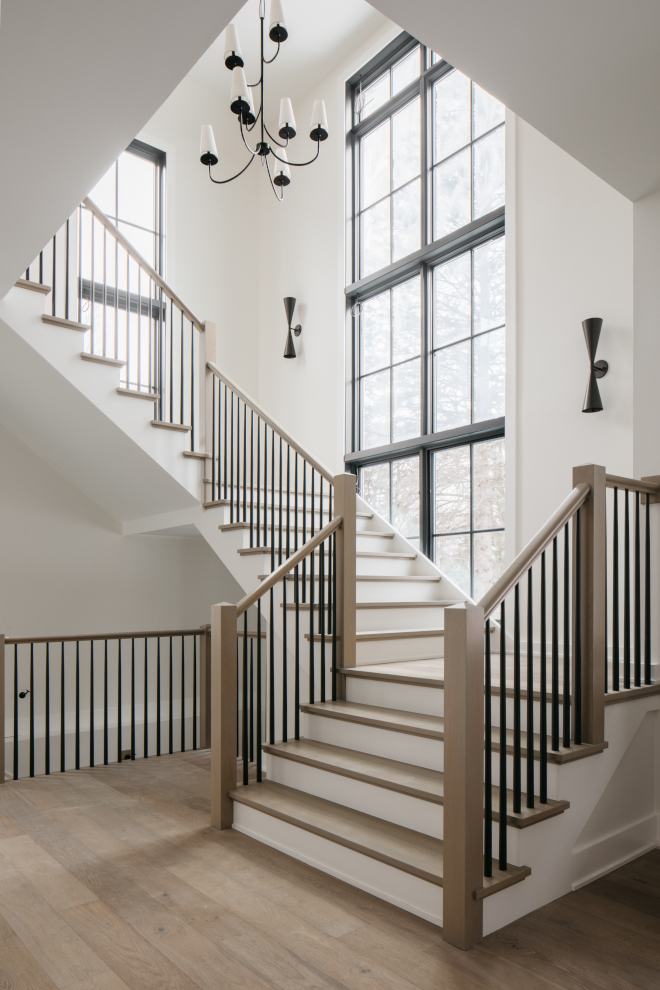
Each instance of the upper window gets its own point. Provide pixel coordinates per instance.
(131, 193)
(427, 307)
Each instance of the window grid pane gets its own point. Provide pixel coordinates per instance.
(469, 359)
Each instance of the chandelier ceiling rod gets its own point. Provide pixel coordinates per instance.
(242, 104)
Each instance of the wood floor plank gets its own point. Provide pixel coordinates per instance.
(350, 968)
(104, 981)
(54, 945)
(19, 970)
(127, 953)
(8, 829)
(50, 878)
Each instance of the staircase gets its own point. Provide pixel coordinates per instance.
(360, 675)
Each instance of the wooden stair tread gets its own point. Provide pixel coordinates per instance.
(405, 778)
(412, 723)
(411, 852)
(402, 848)
(60, 321)
(432, 727)
(246, 551)
(24, 283)
(304, 606)
(385, 634)
(134, 393)
(425, 671)
(374, 577)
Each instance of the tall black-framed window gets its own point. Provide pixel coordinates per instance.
(132, 195)
(425, 326)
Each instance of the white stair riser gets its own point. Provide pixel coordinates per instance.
(408, 892)
(388, 694)
(381, 543)
(391, 806)
(396, 591)
(384, 650)
(389, 565)
(367, 619)
(401, 746)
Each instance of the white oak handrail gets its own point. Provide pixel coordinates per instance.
(323, 471)
(288, 565)
(632, 484)
(519, 567)
(86, 638)
(142, 262)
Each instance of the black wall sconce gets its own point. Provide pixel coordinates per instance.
(289, 306)
(598, 369)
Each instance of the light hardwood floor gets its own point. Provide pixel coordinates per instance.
(112, 878)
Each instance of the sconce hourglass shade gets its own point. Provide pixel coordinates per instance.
(319, 125)
(281, 171)
(278, 30)
(208, 153)
(597, 369)
(287, 120)
(233, 56)
(241, 98)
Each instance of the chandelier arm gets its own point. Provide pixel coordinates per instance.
(252, 126)
(272, 184)
(243, 136)
(300, 164)
(278, 143)
(267, 61)
(221, 182)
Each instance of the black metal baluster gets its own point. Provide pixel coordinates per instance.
(133, 697)
(231, 462)
(330, 562)
(555, 648)
(334, 616)
(171, 353)
(517, 749)
(225, 447)
(638, 597)
(31, 710)
(251, 696)
(246, 755)
(271, 698)
(53, 290)
(171, 703)
(183, 694)
(244, 462)
(626, 593)
(62, 714)
(488, 765)
(145, 743)
(91, 703)
(257, 754)
(258, 481)
(647, 593)
(265, 539)
(288, 501)
(16, 712)
(272, 500)
(194, 744)
(577, 645)
(77, 705)
(66, 272)
(285, 687)
(281, 508)
(503, 744)
(530, 692)
(158, 712)
(251, 478)
(567, 645)
(215, 494)
(321, 621)
(47, 716)
(105, 704)
(615, 594)
(304, 532)
(543, 695)
(192, 386)
(120, 714)
(312, 697)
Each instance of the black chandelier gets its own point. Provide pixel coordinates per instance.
(242, 104)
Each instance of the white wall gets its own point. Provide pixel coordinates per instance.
(573, 260)
(647, 337)
(212, 231)
(66, 569)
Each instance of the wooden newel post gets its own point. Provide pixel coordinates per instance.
(2, 709)
(205, 687)
(593, 537)
(224, 722)
(463, 775)
(345, 506)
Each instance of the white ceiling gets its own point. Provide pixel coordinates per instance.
(586, 73)
(320, 36)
